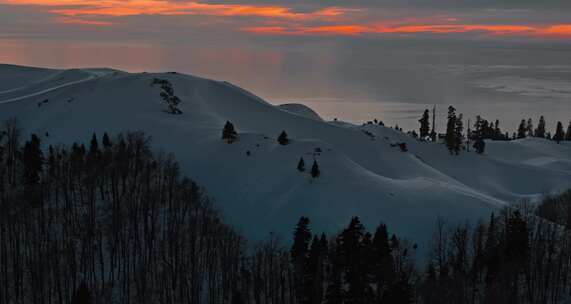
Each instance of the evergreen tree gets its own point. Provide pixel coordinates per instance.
(301, 165)
(516, 254)
(497, 131)
(32, 158)
(424, 125)
(313, 276)
(94, 145)
(478, 126)
(521, 130)
(451, 130)
(492, 260)
(283, 139)
(335, 293)
(315, 172)
(559, 133)
(93, 155)
(229, 133)
(382, 263)
(517, 240)
(352, 250)
(568, 134)
(458, 134)
(299, 254)
(540, 131)
(529, 128)
(106, 141)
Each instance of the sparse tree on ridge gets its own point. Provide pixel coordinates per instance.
(521, 130)
(283, 139)
(559, 133)
(424, 125)
(540, 131)
(229, 133)
(301, 165)
(458, 134)
(529, 128)
(568, 134)
(451, 130)
(315, 172)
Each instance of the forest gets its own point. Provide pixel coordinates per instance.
(111, 221)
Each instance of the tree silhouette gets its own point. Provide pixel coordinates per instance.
(540, 131)
(424, 125)
(315, 172)
(301, 165)
(229, 133)
(559, 133)
(283, 139)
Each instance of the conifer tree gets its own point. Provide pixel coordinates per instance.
(521, 130)
(568, 134)
(313, 274)
(383, 264)
(424, 125)
(529, 128)
(229, 133)
(335, 293)
(559, 133)
(451, 130)
(315, 172)
(540, 131)
(352, 255)
(301, 165)
(497, 131)
(33, 161)
(299, 254)
(458, 134)
(283, 139)
(106, 141)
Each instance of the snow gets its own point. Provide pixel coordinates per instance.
(301, 110)
(363, 174)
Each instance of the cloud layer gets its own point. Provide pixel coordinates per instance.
(406, 18)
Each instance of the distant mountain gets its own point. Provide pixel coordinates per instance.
(255, 180)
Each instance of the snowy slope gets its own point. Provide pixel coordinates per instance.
(362, 173)
(301, 110)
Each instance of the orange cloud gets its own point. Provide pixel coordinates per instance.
(78, 21)
(557, 31)
(117, 8)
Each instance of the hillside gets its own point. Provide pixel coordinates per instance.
(363, 173)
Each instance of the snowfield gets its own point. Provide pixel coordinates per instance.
(255, 181)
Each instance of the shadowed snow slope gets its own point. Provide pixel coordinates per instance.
(301, 110)
(363, 174)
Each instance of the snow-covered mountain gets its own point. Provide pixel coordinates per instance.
(255, 180)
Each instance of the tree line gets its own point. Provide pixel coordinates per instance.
(456, 139)
(112, 222)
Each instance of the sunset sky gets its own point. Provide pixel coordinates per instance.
(179, 20)
(406, 51)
